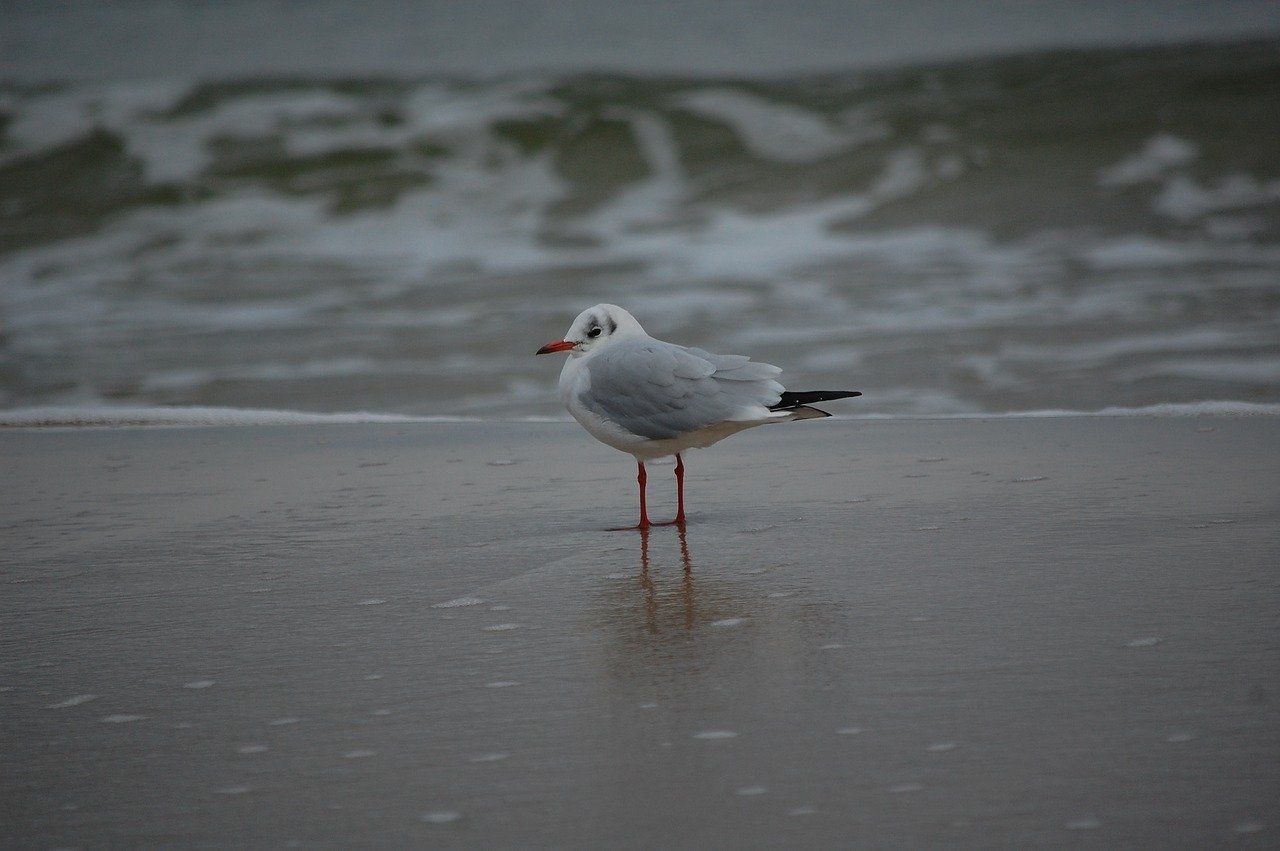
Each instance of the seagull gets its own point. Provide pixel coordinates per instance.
(653, 399)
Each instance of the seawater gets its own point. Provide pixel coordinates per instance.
(1071, 230)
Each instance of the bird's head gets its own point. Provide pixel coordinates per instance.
(595, 328)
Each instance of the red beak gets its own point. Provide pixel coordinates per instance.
(557, 346)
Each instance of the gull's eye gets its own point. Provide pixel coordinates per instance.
(594, 332)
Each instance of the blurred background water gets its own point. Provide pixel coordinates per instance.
(321, 206)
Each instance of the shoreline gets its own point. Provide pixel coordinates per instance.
(159, 416)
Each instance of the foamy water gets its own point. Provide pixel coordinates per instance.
(982, 237)
(171, 417)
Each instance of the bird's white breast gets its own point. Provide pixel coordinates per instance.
(575, 381)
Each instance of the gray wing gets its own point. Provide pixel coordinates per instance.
(658, 390)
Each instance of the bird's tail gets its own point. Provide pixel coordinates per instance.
(798, 402)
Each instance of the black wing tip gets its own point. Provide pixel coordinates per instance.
(792, 399)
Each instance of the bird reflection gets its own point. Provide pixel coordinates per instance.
(687, 595)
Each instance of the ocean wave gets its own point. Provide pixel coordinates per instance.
(998, 234)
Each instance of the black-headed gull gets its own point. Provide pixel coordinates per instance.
(653, 399)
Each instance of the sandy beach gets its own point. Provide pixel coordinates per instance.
(982, 633)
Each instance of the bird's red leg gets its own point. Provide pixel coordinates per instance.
(679, 490)
(642, 479)
(679, 521)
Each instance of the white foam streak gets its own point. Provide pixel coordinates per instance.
(1184, 199)
(48, 120)
(1144, 252)
(1161, 154)
(73, 417)
(1101, 351)
(443, 110)
(776, 131)
(1170, 409)
(124, 417)
(1257, 370)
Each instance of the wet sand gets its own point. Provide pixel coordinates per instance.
(875, 634)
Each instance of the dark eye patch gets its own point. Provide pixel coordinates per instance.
(594, 332)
